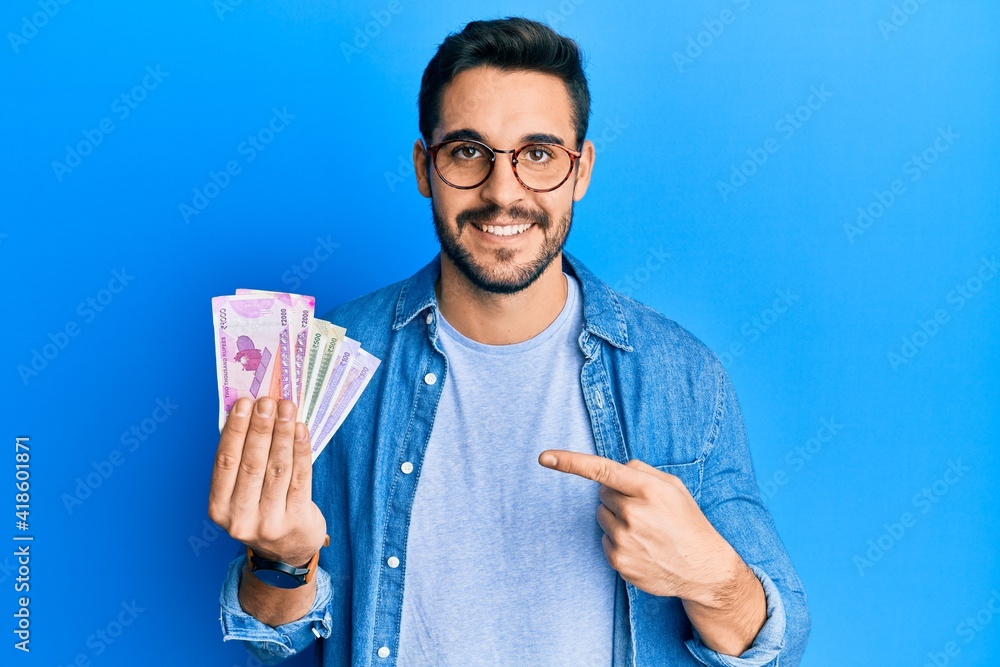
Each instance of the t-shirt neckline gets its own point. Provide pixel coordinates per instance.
(572, 294)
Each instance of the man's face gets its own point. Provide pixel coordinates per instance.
(502, 109)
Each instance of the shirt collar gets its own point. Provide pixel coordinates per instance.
(602, 307)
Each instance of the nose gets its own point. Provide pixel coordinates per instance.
(502, 187)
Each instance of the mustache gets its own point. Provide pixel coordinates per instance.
(490, 213)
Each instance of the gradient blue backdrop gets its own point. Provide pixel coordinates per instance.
(685, 96)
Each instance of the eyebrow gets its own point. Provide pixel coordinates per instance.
(537, 137)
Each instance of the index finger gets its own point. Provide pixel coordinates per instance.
(597, 468)
(229, 454)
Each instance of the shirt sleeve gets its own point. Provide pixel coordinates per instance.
(272, 645)
(766, 646)
(731, 501)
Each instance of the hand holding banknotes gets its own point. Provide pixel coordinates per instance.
(261, 490)
(270, 344)
(287, 382)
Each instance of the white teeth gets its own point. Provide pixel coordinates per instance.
(508, 230)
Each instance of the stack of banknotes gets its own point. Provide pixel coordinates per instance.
(270, 344)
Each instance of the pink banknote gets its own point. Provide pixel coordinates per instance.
(253, 349)
(304, 308)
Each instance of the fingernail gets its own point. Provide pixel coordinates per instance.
(285, 411)
(547, 459)
(242, 407)
(265, 407)
(300, 431)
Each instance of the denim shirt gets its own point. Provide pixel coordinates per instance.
(653, 392)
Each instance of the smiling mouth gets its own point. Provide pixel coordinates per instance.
(505, 230)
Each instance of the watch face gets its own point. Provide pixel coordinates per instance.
(278, 578)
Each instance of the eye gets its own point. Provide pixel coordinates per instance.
(538, 154)
(465, 152)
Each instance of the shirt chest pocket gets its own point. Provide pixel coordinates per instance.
(689, 473)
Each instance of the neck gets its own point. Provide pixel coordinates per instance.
(500, 319)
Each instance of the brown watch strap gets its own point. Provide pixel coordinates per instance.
(311, 565)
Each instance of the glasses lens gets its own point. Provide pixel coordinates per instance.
(542, 166)
(463, 163)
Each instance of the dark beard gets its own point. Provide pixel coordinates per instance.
(525, 275)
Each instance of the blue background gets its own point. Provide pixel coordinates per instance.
(681, 99)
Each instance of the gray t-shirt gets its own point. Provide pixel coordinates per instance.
(504, 564)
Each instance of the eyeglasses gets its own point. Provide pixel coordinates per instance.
(466, 164)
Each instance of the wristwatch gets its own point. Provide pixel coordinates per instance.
(283, 575)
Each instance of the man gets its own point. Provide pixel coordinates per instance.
(522, 393)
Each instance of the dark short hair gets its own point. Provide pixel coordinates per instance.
(509, 44)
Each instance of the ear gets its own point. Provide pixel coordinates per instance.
(584, 168)
(422, 167)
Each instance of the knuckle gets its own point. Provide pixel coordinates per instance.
(225, 460)
(216, 513)
(671, 479)
(674, 487)
(261, 425)
(599, 474)
(296, 485)
(241, 531)
(626, 514)
(269, 531)
(250, 468)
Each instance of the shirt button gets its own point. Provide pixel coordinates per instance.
(407, 467)
(383, 652)
(430, 378)
(392, 562)
(430, 318)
